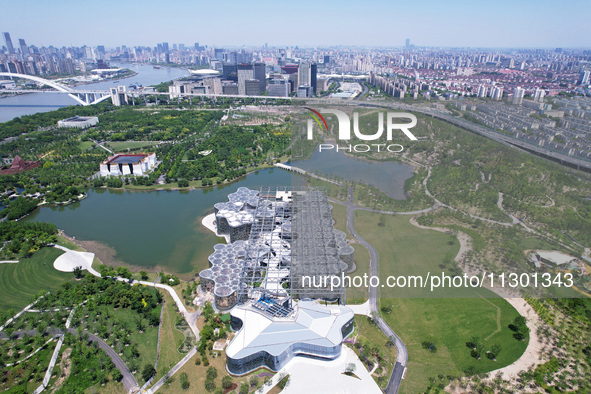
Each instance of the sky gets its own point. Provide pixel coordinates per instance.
(306, 23)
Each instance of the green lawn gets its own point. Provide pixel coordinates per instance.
(84, 145)
(366, 332)
(170, 339)
(446, 322)
(146, 341)
(20, 282)
(354, 295)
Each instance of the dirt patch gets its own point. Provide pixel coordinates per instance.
(66, 368)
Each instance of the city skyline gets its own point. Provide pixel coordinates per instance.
(458, 23)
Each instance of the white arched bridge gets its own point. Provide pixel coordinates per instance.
(84, 97)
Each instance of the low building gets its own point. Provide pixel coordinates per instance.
(307, 330)
(78, 122)
(554, 258)
(126, 164)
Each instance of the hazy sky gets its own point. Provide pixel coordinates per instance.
(461, 23)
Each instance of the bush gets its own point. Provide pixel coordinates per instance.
(148, 372)
(197, 361)
(184, 381)
(212, 373)
(226, 382)
(209, 385)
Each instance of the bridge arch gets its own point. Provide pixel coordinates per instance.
(71, 92)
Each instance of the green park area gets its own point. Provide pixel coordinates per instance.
(440, 333)
(19, 283)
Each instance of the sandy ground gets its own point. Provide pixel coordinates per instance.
(532, 355)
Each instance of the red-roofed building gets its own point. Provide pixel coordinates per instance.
(19, 165)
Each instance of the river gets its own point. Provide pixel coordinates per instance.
(27, 104)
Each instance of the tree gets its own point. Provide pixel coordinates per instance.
(212, 373)
(243, 388)
(117, 376)
(184, 381)
(144, 275)
(78, 272)
(254, 381)
(148, 372)
(494, 351)
(226, 382)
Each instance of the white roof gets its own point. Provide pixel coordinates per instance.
(557, 258)
(204, 71)
(311, 324)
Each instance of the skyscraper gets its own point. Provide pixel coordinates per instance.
(24, 48)
(8, 43)
(584, 77)
(407, 43)
(496, 93)
(481, 91)
(518, 94)
(245, 73)
(307, 75)
(259, 73)
(539, 95)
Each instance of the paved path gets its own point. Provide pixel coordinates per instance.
(128, 378)
(174, 370)
(402, 357)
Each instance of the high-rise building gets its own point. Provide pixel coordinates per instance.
(251, 87)
(218, 53)
(496, 93)
(230, 72)
(278, 88)
(326, 59)
(307, 75)
(259, 73)
(518, 94)
(101, 51)
(584, 77)
(539, 95)
(245, 72)
(304, 91)
(8, 42)
(24, 48)
(165, 46)
(407, 45)
(481, 91)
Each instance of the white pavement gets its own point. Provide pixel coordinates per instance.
(209, 223)
(72, 259)
(361, 309)
(327, 376)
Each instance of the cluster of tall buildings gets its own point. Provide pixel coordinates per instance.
(252, 79)
(31, 60)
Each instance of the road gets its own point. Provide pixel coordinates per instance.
(128, 379)
(402, 358)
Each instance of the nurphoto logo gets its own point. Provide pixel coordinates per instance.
(344, 131)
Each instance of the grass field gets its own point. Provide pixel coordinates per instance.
(146, 341)
(84, 145)
(354, 295)
(170, 338)
(365, 331)
(20, 282)
(448, 323)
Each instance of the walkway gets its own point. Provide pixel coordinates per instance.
(402, 356)
(174, 370)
